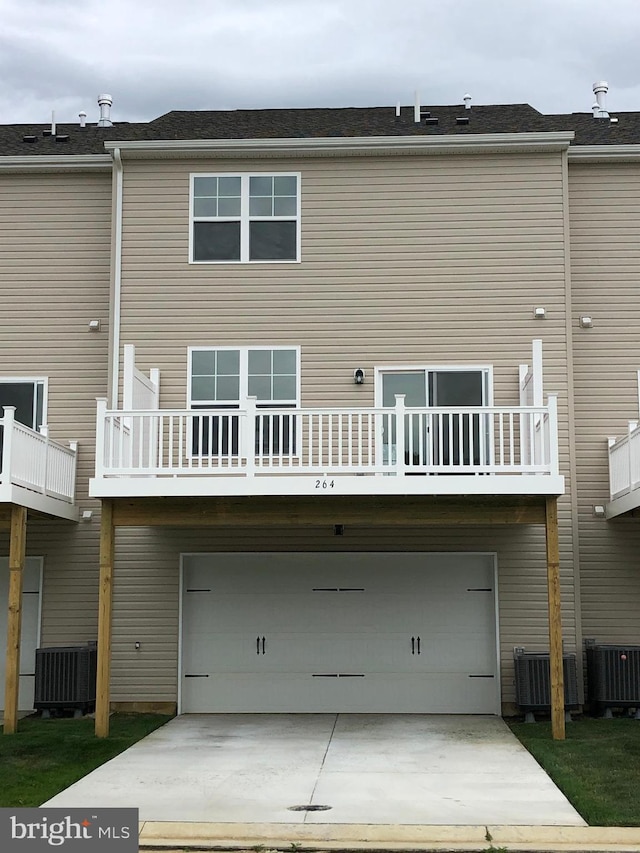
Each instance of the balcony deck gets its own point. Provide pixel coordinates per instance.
(624, 472)
(36, 472)
(257, 451)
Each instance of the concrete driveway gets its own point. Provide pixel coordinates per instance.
(360, 768)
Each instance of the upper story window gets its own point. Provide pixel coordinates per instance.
(243, 218)
(224, 377)
(227, 376)
(29, 398)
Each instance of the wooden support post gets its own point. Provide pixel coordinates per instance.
(103, 678)
(17, 556)
(555, 620)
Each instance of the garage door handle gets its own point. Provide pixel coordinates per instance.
(415, 646)
(260, 645)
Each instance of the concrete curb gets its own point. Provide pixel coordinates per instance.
(169, 837)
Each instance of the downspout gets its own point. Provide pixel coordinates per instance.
(117, 283)
(571, 416)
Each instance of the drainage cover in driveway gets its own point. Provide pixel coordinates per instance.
(308, 808)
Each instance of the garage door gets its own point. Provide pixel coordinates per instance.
(378, 633)
(30, 628)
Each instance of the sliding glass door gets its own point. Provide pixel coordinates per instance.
(433, 438)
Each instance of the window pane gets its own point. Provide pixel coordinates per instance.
(229, 186)
(20, 395)
(228, 388)
(229, 207)
(228, 362)
(216, 241)
(457, 388)
(260, 387)
(205, 207)
(287, 185)
(284, 206)
(203, 388)
(203, 362)
(412, 385)
(284, 361)
(213, 434)
(261, 206)
(272, 241)
(205, 186)
(261, 186)
(259, 361)
(284, 388)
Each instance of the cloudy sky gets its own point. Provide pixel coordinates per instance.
(157, 55)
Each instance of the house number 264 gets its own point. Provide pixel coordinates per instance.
(325, 484)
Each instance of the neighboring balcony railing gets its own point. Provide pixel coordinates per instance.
(397, 441)
(624, 463)
(32, 461)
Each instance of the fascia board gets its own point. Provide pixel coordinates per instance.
(353, 145)
(594, 153)
(54, 163)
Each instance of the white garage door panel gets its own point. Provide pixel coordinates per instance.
(293, 652)
(374, 694)
(269, 632)
(30, 627)
(364, 610)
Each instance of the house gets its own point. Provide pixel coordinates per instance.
(356, 373)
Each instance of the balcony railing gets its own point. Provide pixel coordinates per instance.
(624, 467)
(258, 442)
(31, 461)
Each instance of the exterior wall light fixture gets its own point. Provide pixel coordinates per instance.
(94, 325)
(599, 511)
(586, 322)
(358, 376)
(539, 313)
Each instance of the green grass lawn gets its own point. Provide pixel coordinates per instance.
(597, 767)
(46, 756)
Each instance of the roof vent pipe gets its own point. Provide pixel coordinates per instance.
(600, 90)
(83, 118)
(105, 102)
(416, 108)
(467, 101)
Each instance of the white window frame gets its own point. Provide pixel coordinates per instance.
(42, 380)
(485, 369)
(244, 373)
(198, 405)
(244, 217)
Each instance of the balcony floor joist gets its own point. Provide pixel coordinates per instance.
(366, 511)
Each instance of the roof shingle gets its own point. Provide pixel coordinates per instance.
(316, 123)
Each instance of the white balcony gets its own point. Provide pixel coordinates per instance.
(624, 472)
(35, 471)
(398, 450)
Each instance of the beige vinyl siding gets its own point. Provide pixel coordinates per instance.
(405, 260)
(605, 252)
(55, 232)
